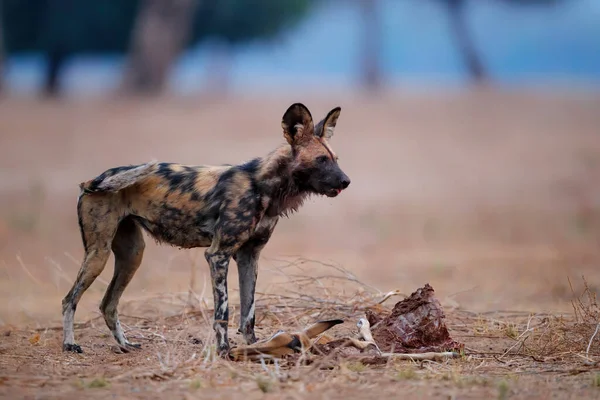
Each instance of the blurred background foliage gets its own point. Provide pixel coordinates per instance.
(153, 34)
(63, 28)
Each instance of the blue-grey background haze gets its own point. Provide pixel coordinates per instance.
(539, 45)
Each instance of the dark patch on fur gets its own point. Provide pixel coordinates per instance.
(93, 186)
(178, 180)
(217, 193)
(178, 228)
(251, 166)
(80, 222)
(287, 189)
(195, 196)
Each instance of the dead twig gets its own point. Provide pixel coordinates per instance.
(587, 351)
(431, 356)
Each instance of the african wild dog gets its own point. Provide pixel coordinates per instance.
(232, 210)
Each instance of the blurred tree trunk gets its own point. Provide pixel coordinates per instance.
(57, 42)
(371, 75)
(55, 61)
(2, 59)
(464, 41)
(159, 35)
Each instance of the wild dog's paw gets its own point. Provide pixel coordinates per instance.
(127, 347)
(223, 352)
(72, 347)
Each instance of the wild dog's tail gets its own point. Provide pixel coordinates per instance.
(119, 178)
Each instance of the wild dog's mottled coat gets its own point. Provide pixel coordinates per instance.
(230, 209)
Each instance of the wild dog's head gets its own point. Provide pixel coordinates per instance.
(315, 167)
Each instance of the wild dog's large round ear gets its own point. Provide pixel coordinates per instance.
(297, 123)
(326, 127)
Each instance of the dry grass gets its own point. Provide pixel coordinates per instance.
(504, 352)
(179, 353)
(571, 336)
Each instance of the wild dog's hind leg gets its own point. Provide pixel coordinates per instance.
(93, 264)
(128, 247)
(98, 220)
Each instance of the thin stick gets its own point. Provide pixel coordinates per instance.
(33, 278)
(587, 352)
(192, 287)
(390, 294)
(431, 356)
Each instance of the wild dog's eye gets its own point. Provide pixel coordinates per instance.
(322, 159)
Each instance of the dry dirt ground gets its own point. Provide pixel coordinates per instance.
(491, 197)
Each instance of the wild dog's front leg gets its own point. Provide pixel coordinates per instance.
(218, 261)
(247, 261)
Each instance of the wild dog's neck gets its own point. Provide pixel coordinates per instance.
(276, 180)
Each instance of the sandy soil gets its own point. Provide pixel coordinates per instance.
(491, 197)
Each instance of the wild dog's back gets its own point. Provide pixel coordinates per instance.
(177, 204)
(174, 203)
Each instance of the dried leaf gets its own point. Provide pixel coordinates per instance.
(35, 339)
